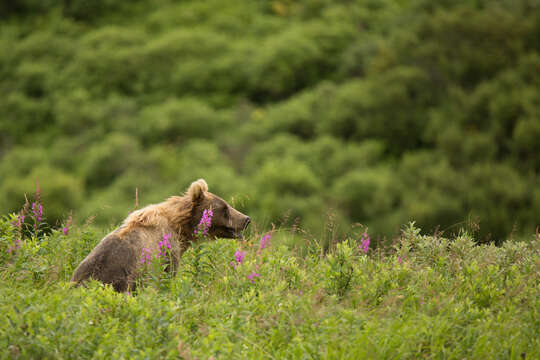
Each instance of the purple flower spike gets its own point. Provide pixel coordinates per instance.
(37, 211)
(239, 256)
(265, 241)
(18, 221)
(205, 223)
(166, 241)
(364, 246)
(146, 255)
(253, 275)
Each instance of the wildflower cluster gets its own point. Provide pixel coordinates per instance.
(265, 241)
(18, 221)
(364, 242)
(164, 245)
(146, 255)
(240, 255)
(253, 275)
(37, 212)
(205, 223)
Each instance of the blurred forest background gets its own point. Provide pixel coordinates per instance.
(376, 111)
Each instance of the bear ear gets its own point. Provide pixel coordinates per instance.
(197, 189)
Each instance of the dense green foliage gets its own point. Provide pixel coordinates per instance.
(427, 297)
(384, 111)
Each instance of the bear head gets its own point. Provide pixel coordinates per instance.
(226, 221)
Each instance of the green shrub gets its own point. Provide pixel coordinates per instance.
(339, 270)
(109, 159)
(176, 121)
(420, 110)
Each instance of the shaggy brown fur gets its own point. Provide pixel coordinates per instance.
(116, 259)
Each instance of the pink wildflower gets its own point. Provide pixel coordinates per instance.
(252, 276)
(18, 221)
(146, 255)
(265, 241)
(205, 223)
(164, 244)
(37, 211)
(364, 246)
(239, 256)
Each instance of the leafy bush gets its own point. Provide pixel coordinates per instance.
(423, 110)
(110, 158)
(89, 10)
(179, 120)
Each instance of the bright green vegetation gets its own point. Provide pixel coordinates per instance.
(427, 297)
(384, 111)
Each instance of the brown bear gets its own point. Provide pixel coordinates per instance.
(117, 258)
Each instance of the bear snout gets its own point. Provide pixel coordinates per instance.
(246, 223)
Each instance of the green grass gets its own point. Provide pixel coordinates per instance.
(447, 298)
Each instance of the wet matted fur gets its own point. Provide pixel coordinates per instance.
(116, 259)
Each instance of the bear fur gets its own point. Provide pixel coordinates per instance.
(117, 258)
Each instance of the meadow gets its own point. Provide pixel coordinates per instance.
(274, 295)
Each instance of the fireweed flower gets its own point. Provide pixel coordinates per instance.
(37, 211)
(364, 246)
(205, 223)
(18, 221)
(165, 243)
(252, 276)
(265, 241)
(146, 255)
(239, 256)
(69, 222)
